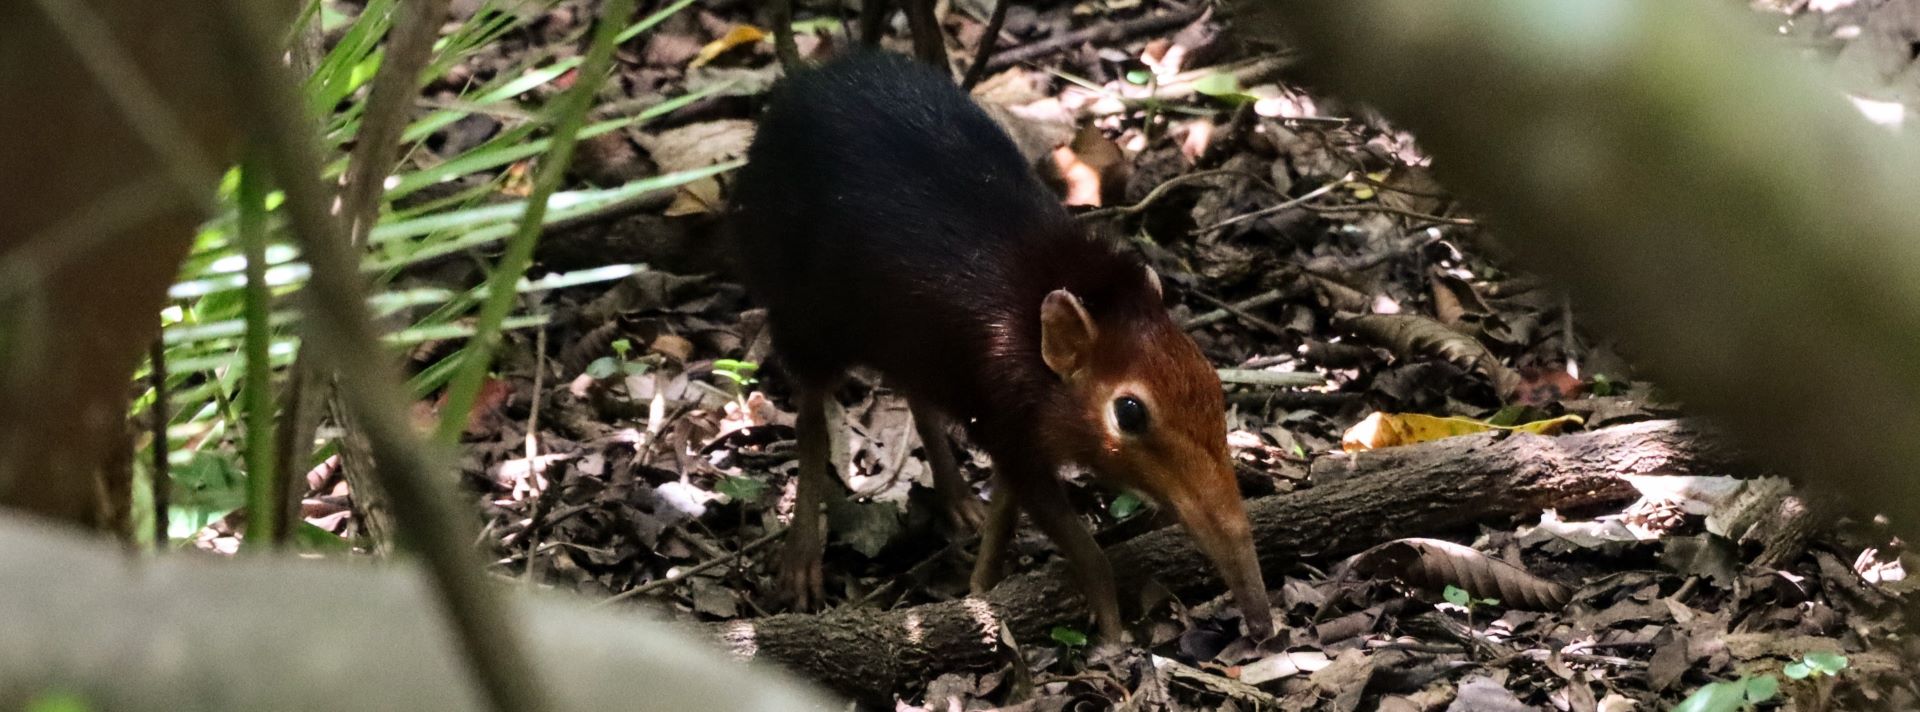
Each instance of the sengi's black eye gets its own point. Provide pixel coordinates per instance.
(1130, 414)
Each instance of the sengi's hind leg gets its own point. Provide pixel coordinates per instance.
(965, 511)
(801, 582)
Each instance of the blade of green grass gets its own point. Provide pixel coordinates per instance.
(262, 512)
(569, 116)
(511, 146)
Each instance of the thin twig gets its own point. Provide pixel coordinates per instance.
(395, 85)
(784, 47)
(912, 572)
(929, 41)
(1273, 379)
(1160, 191)
(1246, 72)
(873, 21)
(294, 433)
(162, 470)
(1294, 203)
(1105, 32)
(988, 40)
(535, 474)
(539, 373)
(1383, 185)
(569, 116)
(702, 567)
(394, 88)
(1222, 314)
(1243, 315)
(336, 320)
(1367, 208)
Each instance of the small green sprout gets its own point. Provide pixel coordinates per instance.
(1124, 505)
(1068, 637)
(740, 372)
(1458, 596)
(1816, 665)
(618, 364)
(1603, 386)
(741, 489)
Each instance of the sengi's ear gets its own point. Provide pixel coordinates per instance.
(1066, 333)
(1153, 280)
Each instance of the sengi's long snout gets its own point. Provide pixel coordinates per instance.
(1218, 524)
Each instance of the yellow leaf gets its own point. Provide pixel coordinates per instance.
(739, 35)
(696, 198)
(1390, 429)
(1364, 189)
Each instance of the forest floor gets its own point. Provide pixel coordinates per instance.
(636, 447)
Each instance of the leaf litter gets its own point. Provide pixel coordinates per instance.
(665, 465)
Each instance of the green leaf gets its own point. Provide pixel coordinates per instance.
(602, 367)
(1762, 688)
(496, 232)
(1797, 670)
(1457, 596)
(58, 701)
(1829, 663)
(1508, 416)
(308, 537)
(649, 21)
(1068, 636)
(1124, 505)
(634, 368)
(1139, 76)
(743, 368)
(1603, 386)
(1715, 697)
(622, 346)
(741, 489)
(1217, 84)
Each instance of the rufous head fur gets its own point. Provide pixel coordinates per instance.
(1146, 414)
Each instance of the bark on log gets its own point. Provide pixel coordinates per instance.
(1419, 490)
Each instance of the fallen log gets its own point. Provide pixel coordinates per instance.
(1418, 490)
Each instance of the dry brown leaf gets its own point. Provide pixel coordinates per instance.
(698, 145)
(672, 346)
(1436, 564)
(1411, 335)
(1092, 166)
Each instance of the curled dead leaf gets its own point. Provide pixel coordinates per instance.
(1412, 335)
(697, 145)
(1435, 564)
